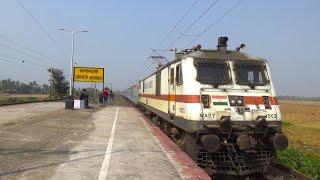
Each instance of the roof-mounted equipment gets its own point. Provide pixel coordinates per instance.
(222, 44)
(240, 47)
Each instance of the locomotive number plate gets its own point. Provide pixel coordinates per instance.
(272, 116)
(207, 115)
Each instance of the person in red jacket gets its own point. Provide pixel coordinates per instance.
(105, 95)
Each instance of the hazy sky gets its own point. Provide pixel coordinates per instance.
(121, 33)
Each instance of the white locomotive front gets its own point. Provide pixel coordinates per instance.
(220, 106)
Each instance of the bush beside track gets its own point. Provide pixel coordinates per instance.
(305, 163)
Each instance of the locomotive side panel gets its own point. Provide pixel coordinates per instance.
(191, 90)
(155, 91)
(148, 90)
(163, 103)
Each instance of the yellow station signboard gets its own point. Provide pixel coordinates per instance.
(88, 74)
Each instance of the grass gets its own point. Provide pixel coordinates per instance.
(119, 101)
(305, 163)
(301, 123)
(286, 124)
(7, 99)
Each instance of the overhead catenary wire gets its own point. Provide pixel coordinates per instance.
(173, 29)
(184, 34)
(215, 22)
(178, 22)
(42, 28)
(159, 54)
(147, 66)
(193, 23)
(30, 49)
(28, 55)
(6, 60)
(23, 61)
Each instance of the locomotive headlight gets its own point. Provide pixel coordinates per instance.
(236, 100)
(232, 102)
(239, 102)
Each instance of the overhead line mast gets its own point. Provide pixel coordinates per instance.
(73, 33)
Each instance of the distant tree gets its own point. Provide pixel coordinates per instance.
(12, 86)
(59, 82)
(7, 84)
(24, 88)
(45, 88)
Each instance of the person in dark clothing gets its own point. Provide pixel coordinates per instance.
(111, 97)
(84, 96)
(100, 98)
(105, 95)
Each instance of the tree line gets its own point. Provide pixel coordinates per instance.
(12, 86)
(57, 87)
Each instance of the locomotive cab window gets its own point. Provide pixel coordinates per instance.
(179, 79)
(251, 73)
(213, 72)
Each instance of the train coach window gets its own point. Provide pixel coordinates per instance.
(158, 83)
(142, 85)
(172, 76)
(179, 79)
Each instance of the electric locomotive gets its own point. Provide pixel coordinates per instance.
(218, 105)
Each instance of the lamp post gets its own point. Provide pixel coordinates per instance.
(73, 32)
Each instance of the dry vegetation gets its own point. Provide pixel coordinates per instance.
(301, 123)
(6, 99)
(23, 95)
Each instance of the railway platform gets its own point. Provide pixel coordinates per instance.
(114, 142)
(138, 150)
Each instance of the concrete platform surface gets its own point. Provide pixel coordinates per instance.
(45, 141)
(22, 112)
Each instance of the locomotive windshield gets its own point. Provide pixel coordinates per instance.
(251, 73)
(213, 72)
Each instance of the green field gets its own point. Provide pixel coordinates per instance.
(7, 99)
(301, 123)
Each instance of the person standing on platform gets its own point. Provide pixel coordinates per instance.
(111, 97)
(105, 95)
(101, 98)
(84, 96)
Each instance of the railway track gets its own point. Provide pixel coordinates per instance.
(277, 171)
